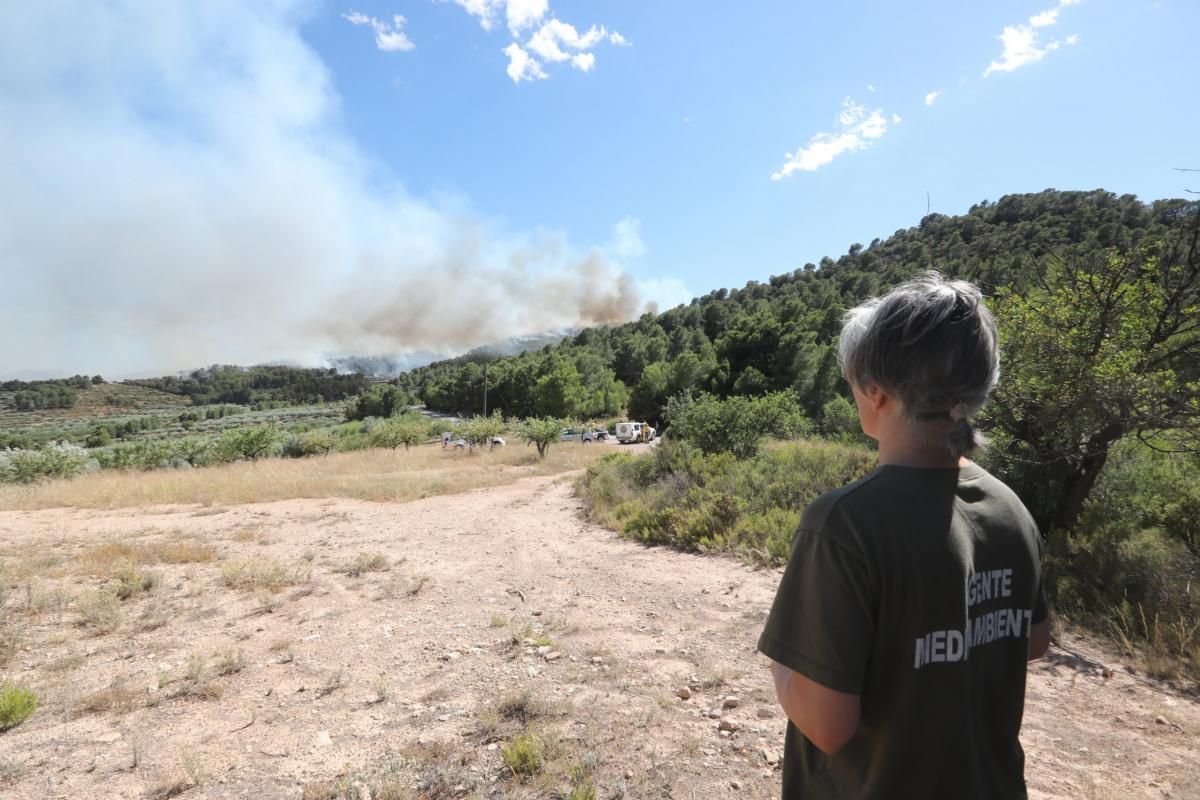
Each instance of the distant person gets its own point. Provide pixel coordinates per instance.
(912, 598)
(445, 439)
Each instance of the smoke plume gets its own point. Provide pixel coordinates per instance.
(177, 188)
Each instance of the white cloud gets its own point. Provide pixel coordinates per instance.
(522, 14)
(896, 119)
(521, 67)
(870, 87)
(388, 37)
(858, 129)
(1021, 43)
(547, 39)
(932, 97)
(551, 42)
(181, 189)
(485, 10)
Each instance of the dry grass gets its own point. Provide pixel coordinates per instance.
(116, 699)
(260, 575)
(115, 558)
(379, 475)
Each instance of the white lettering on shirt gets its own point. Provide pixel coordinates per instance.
(950, 646)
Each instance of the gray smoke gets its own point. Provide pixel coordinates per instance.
(177, 189)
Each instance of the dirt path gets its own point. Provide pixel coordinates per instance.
(395, 675)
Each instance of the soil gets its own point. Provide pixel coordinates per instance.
(398, 672)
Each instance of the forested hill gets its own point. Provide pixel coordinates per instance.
(777, 335)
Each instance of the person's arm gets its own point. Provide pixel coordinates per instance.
(1039, 639)
(827, 718)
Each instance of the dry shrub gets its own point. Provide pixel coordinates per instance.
(99, 610)
(364, 562)
(229, 662)
(116, 699)
(262, 575)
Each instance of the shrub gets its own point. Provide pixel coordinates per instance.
(60, 460)
(16, 704)
(311, 443)
(678, 496)
(523, 755)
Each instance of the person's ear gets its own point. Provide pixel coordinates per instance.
(876, 397)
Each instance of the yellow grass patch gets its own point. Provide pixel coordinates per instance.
(107, 559)
(380, 475)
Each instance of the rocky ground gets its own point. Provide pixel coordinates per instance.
(489, 644)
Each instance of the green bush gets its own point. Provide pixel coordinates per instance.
(142, 455)
(679, 496)
(1130, 566)
(61, 460)
(523, 755)
(311, 443)
(16, 704)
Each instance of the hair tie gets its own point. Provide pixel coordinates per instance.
(959, 412)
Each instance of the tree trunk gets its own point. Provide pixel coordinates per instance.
(1079, 482)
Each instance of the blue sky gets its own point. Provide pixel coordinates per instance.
(282, 180)
(683, 129)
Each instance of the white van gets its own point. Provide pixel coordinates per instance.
(629, 432)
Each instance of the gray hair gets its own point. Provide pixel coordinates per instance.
(931, 343)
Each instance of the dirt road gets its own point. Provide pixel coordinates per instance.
(360, 675)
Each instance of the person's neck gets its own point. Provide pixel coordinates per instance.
(905, 447)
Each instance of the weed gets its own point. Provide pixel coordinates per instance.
(156, 614)
(16, 704)
(417, 584)
(130, 580)
(10, 643)
(259, 575)
(364, 562)
(523, 755)
(116, 699)
(381, 687)
(229, 662)
(498, 621)
(266, 603)
(168, 789)
(99, 610)
(66, 663)
(333, 681)
(10, 771)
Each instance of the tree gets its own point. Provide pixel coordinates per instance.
(735, 424)
(251, 443)
(381, 400)
(559, 392)
(1100, 351)
(542, 432)
(482, 430)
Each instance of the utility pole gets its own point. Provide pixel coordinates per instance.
(485, 388)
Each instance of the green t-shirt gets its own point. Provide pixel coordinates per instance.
(915, 589)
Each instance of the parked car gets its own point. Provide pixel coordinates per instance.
(583, 435)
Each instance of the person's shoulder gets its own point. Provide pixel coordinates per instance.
(817, 515)
(1003, 495)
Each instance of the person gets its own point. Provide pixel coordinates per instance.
(445, 439)
(912, 598)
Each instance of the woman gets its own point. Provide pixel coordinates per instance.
(912, 598)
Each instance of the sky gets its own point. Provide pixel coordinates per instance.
(278, 181)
